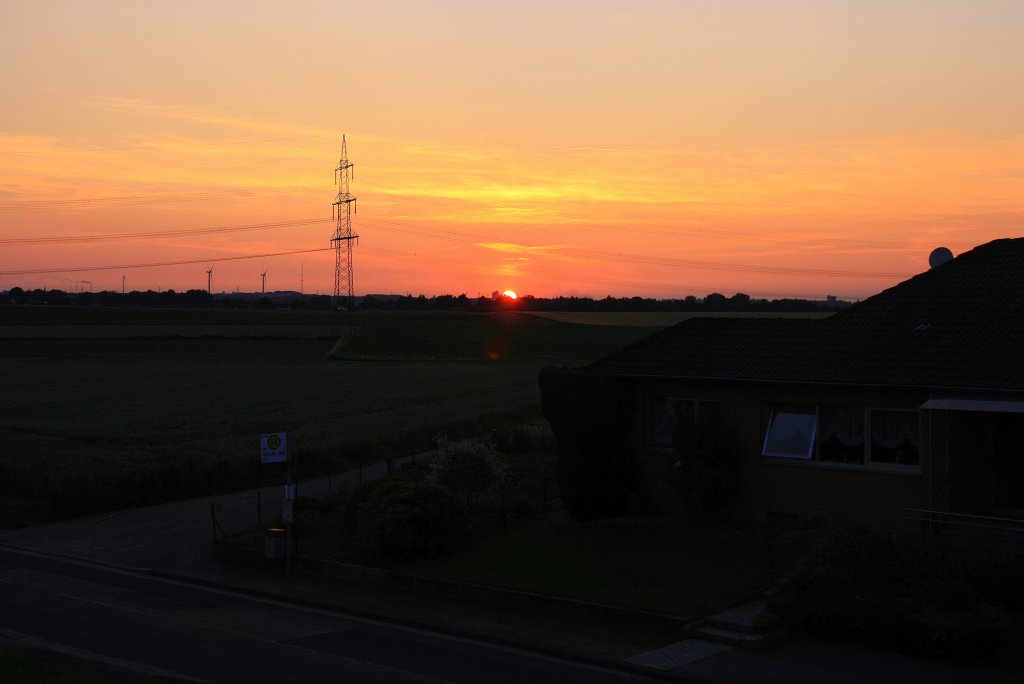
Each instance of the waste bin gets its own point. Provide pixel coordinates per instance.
(275, 543)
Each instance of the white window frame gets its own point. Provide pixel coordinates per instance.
(664, 407)
(660, 419)
(811, 443)
(812, 454)
(885, 465)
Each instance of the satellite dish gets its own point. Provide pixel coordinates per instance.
(939, 256)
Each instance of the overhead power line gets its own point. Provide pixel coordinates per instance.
(180, 232)
(598, 255)
(75, 269)
(148, 199)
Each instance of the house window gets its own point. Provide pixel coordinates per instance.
(666, 413)
(850, 435)
(894, 437)
(841, 434)
(791, 431)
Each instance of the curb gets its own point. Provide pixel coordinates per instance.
(453, 589)
(287, 598)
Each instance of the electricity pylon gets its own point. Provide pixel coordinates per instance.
(344, 207)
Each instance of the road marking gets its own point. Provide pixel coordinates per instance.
(54, 647)
(106, 605)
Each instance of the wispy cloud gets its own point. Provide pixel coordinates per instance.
(202, 115)
(515, 248)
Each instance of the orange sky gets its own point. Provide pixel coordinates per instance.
(574, 148)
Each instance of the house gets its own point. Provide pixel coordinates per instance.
(911, 399)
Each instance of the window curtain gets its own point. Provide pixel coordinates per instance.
(894, 437)
(841, 434)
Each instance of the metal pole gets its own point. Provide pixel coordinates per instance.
(288, 526)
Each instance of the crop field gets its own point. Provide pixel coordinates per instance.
(662, 319)
(92, 421)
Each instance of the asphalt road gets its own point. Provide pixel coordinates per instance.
(166, 628)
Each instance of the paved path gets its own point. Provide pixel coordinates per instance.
(174, 536)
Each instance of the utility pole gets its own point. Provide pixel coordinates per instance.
(344, 205)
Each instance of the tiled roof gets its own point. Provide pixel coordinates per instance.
(959, 326)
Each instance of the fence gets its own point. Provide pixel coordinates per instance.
(976, 532)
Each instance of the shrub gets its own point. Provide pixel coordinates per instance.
(468, 468)
(897, 592)
(1000, 581)
(704, 470)
(525, 438)
(391, 520)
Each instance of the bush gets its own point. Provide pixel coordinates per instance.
(525, 438)
(704, 471)
(468, 468)
(999, 581)
(897, 592)
(392, 520)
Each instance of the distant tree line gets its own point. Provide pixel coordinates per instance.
(189, 299)
(712, 302)
(193, 299)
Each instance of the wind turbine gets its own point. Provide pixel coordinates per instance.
(209, 280)
(264, 275)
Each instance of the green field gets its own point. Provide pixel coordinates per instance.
(110, 421)
(664, 319)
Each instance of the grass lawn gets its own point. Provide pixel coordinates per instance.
(94, 434)
(657, 565)
(110, 422)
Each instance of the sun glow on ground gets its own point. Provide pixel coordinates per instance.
(509, 294)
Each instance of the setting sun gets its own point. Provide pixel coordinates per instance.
(509, 294)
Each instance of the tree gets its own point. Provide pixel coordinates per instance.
(591, 416)
(706, 466)
(740, 300)
(715, 301)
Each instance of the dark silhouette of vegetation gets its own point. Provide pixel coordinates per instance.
(192, 299)
(468, 468)
(704, 469)
(397, 519)
(590, 416)
(902, 592)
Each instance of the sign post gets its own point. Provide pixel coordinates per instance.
(274, 449)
